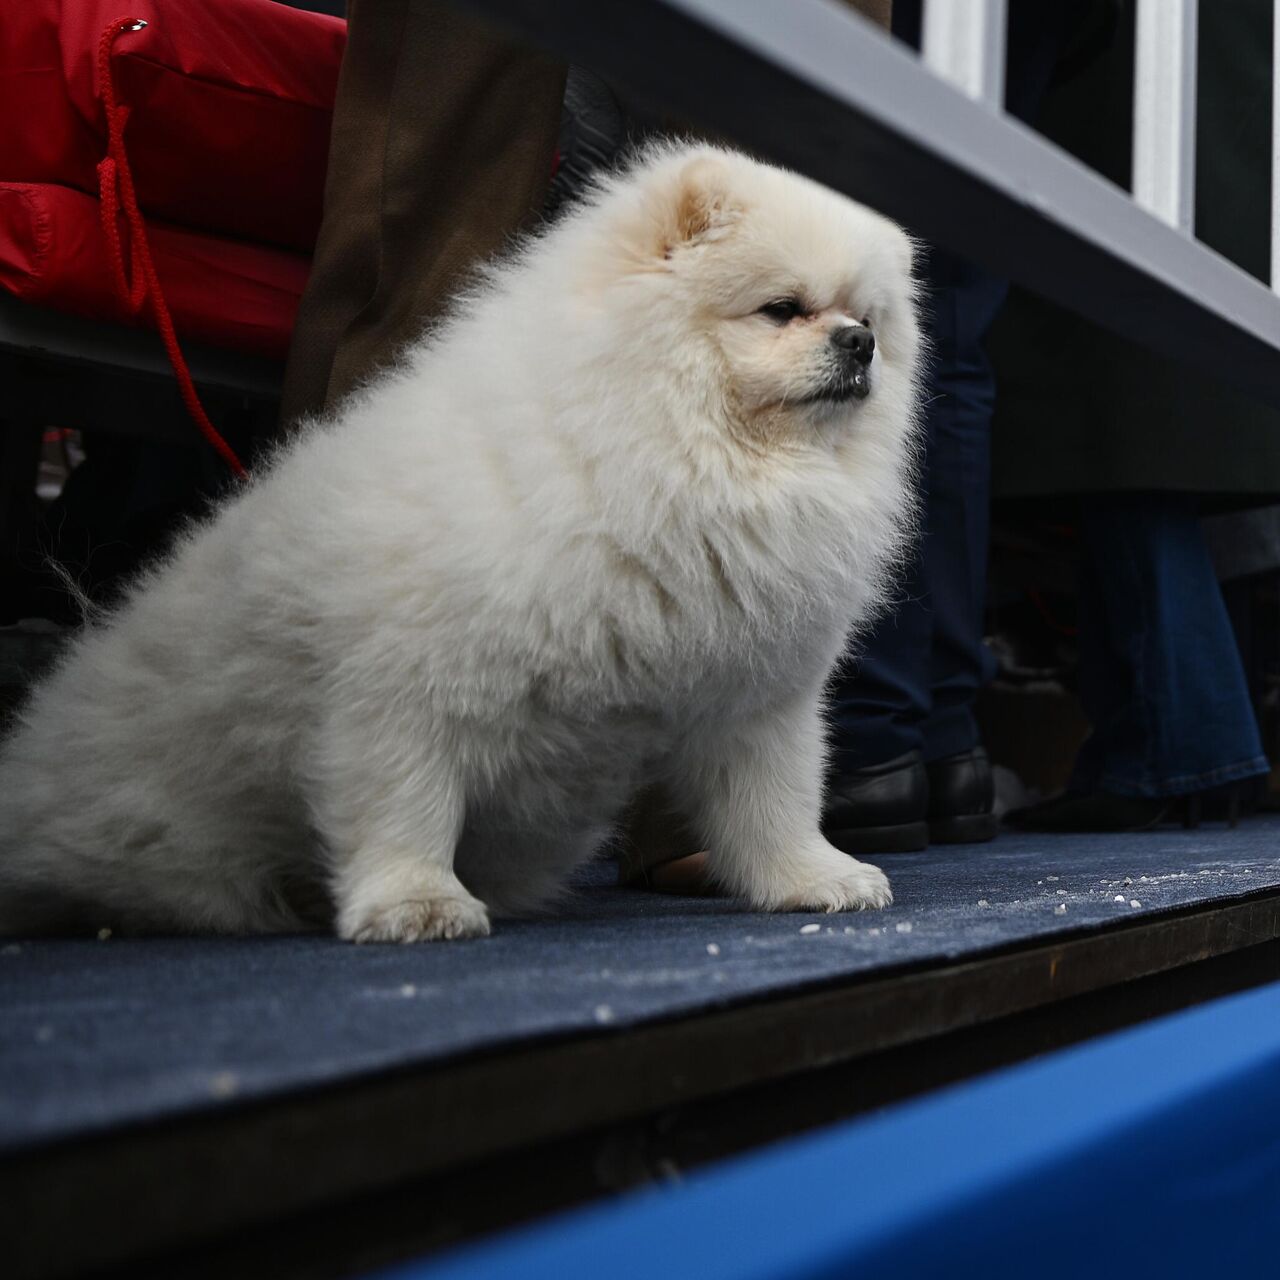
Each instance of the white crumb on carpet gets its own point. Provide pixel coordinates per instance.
(1060, 909)
(224, 1084)
(712, 949)
(1133, 902)
(408, 989)
(1118, 898)
(903, 926)
(982, 902)
(810, 928)
(603, 1013)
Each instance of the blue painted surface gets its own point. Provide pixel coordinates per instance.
(1154, 1152)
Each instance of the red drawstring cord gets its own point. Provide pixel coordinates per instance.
(115, 190)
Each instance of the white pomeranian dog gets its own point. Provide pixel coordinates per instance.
(610, 525)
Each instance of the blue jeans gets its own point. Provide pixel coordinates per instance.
(1160, 673)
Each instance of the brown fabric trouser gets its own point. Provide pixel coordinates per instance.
(443, 137)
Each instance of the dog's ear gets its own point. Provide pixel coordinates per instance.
(702, 206)
(679, 207)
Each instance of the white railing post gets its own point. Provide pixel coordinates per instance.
(1164, 111)
(964, 42)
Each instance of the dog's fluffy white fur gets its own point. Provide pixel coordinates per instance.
(611, 524)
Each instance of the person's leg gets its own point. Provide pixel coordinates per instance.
(443, 144)
(1160, 676)
(954, 555)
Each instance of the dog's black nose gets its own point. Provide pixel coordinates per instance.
(855, 341)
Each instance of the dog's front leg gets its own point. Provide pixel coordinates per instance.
(391, 807)
(754, 790)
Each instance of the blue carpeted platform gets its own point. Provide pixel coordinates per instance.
(98, 1035)
(1155, 1152)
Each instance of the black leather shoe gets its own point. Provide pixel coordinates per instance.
(1103, 811)
(1093, 811)
(961, 799)
(880, 809)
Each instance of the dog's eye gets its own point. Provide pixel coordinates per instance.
(781, 310)
(865, 322)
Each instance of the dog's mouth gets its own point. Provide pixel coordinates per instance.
(854, 385)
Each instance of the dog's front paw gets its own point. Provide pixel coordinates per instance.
(827, 880)
(417, 920)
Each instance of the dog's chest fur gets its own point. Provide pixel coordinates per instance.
(624, 650)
